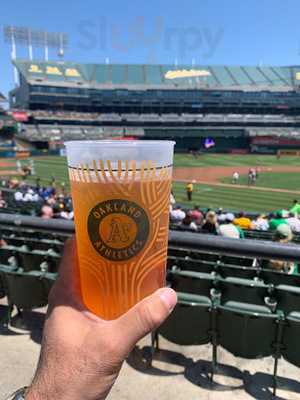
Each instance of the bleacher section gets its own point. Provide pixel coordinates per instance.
(35, 133)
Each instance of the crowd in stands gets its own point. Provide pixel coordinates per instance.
(47, 201)
(283, 223)
(51, 201)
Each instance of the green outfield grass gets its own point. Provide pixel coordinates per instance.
(233, 198)
(276, 180)
(232, 160)
(206, 195)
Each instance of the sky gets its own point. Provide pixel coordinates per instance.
(214, 32)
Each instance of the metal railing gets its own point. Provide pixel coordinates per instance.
(185, 240)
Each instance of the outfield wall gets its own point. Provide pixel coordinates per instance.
(26, 154)
(186, 140)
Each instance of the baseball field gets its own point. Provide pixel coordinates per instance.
(277, 185)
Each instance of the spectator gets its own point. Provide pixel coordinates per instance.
(172, 198)
(46, 211)
(196, 215)
(220, 214)
(228, 229)
(71, 214)
(18, 196)
(35, 197)
(177, 215)
(276, 220)
(210, 223)
(189, 190)
(243, 222)
(56, 211)
(66, 213)
(284, 213)
(188, 224)
(283, 234)
(293, 222)
(296, 208)
(28, 197)
(3, 203)
(261, 223)
(235, 177)
(13, 183)
(51, 200)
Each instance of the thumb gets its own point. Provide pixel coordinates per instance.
(143, 318)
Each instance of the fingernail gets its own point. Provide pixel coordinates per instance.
(169, 297)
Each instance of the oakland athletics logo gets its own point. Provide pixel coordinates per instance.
(118, 229)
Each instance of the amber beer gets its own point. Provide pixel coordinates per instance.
(121, 220)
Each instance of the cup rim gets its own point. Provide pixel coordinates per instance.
(118, 143)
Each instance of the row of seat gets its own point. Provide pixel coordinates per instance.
(266, 235)
(225, 270)
(19, 231)
(285, 298)
(245, 330)
(250, 311)
(29, 260)
(195, 254)
(25, 290)
(34, 244)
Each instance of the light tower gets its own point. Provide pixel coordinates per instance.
(31, 38)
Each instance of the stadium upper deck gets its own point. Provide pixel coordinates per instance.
(156, 88)
(159, 76)
(65, 100)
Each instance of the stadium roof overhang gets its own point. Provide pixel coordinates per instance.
(161, 77)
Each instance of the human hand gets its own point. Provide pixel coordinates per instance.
(81, 354)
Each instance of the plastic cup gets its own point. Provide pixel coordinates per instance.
(120, 192)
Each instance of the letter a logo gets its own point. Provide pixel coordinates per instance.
(119, 231)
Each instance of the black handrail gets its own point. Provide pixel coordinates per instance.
(186, 240)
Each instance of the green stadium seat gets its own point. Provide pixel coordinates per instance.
(9, 255)
(197, 255)
(190, 265)
(192, 282)
(279, 278)
(290, 348)
(25, 291)
(38, 260)
(3, 290)
(246, 330)
(243, 290)
(237, 272)
(48, 280)
(189, 323)
(31, 260)
(240, 261)
(192, 254)
(288, 298)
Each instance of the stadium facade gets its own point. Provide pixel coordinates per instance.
(7, 126)
(239, 108)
